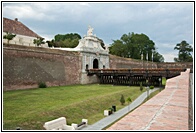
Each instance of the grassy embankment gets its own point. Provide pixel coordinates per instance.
(30, 109)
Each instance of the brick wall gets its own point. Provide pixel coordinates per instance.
(176, 65)
(119, 62)
(24, 67)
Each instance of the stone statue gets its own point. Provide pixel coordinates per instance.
(90, 31)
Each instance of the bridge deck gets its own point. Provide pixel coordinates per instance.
(134, 76)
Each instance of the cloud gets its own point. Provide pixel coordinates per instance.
(169, 57)
(166, 23)
(26, 11)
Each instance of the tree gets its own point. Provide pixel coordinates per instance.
(70, 40)
(122, 100)
(184, 52)
(141, 87)
(39, 41)
(129, 101)
(9, 36)
(118, 48)
(51, 43)
(157, 57)
(132, 45)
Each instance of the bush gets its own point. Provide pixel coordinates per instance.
(141, 87)
(42, 85)
(151, 87)
(129, 99)
(122, 100)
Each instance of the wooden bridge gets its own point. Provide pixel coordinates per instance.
(135, 76)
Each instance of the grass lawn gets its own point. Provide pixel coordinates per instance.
(30, 109)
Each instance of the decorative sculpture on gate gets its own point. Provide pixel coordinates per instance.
(90, 31)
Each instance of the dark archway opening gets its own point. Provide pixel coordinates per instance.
(95, 64)
(86, 66)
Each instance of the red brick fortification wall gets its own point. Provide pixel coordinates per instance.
(24, 67)
(120, 62)
(176, 65)
(168, 110)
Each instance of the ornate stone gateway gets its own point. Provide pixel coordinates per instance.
(93, 55)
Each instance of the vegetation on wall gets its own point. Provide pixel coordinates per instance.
(9, 37)
(39, 41)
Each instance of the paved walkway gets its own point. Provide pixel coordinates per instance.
(167, 110)
(112, 118)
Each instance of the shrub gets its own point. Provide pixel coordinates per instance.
(151, 87)
(42, 85)
(122, 100)
(141, 87)
(129, 99)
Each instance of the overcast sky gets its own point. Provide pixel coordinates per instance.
(165, 23)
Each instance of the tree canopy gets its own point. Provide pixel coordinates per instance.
(133, 45)
(70, 40)
(184, 52)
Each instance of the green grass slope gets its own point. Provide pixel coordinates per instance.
(30, 109)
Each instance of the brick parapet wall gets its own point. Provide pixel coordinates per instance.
(24, 67)
(176, 65)
(120, 62)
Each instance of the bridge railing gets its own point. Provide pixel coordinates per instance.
(137, 70)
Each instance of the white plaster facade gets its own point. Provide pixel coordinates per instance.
(93, 55)
(23, 40)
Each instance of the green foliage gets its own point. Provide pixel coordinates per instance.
(141, 87)
(118, 48)
(39, 41)
(132, 45)
(122, 100)
(9, 36)
(67, 40)
(184, 52)
(70, 40)
(111, 110)
(72, 36)
(151, 87)
(51, 43)
(42, 85)
(157, 57)
(129, 99)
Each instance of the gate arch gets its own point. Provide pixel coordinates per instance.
(95, 64)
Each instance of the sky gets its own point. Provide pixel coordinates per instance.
(165, 23)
